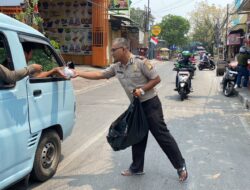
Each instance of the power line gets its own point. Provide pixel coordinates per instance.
(175, 7)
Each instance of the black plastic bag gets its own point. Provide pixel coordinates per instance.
(129, 128)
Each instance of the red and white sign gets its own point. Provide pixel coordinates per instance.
(154, 40)
(233, 39)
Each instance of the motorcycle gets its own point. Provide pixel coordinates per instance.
(190, 67)
(229, 81)
(184, 82)
(206, 65)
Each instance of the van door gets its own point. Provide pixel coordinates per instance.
(51, 99)
(15, 145)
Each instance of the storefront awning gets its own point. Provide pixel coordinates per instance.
(118, 21)
(237, 27)
(244, 7)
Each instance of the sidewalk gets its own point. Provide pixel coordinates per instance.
(244, 96)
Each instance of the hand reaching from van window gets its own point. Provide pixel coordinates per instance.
(55, 71)
(36, 67)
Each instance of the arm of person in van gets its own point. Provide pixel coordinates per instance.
(55, 71)
(9, 76)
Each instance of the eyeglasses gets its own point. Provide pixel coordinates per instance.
(114, 49)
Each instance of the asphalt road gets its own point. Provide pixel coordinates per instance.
(212, 131)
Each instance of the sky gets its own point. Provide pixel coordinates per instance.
(160, 8)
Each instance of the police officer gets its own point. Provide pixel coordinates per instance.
(139, 75)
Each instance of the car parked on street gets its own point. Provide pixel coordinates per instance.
(36, 114)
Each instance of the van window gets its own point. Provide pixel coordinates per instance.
(44, 55)
(5, 60)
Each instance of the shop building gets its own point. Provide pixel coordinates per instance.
(85, 29)
(80, 27)
(10, 8)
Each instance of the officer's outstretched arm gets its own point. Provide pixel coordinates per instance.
(94, 75)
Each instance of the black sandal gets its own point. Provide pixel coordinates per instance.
(181, 172)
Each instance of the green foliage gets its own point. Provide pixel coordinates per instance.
(2, 55)
(140, 17)
(204, 20)
(40, 56)
(55, 44)
(28, 16)
(174, 30)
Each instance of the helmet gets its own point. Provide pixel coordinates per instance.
(243, 49)
(186, 53)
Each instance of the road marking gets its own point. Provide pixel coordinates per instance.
(81, 149)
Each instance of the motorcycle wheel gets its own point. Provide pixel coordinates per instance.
(182, 94)
(212, 67)
(228, 90)
(200, 67)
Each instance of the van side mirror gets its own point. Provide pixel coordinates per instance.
(71, 65)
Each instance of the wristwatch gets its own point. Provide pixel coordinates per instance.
(142, 91)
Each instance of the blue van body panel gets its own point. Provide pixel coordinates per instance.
(53, 105)
(14, 25)
(23, 116)
(17, 144)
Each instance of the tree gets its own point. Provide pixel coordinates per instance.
(174, 30)
(140, 17)
(206, 21)
(30, 15)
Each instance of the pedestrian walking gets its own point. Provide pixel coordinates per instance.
(138, 78)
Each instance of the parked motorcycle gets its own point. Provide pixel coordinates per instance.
(206, 65)
(184, 82)
(229, 81)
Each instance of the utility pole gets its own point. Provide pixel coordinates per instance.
(226, 53)
(148, 15)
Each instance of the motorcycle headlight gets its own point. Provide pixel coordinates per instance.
(182, 84)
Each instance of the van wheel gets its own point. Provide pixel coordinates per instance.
(47, 156)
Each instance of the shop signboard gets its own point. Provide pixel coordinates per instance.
(69, 23)
(233, 39)
(156, 30)
(118, 4)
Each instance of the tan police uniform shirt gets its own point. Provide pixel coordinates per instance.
(8, 76)
(135, 74)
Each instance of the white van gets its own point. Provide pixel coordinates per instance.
(35, 113)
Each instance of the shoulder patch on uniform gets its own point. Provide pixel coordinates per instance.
(139, 57)
(148, 64)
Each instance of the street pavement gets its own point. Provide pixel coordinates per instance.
(243, 94)
(212, 131)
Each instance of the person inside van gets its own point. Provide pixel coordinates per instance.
(10, 77)
(28, 49)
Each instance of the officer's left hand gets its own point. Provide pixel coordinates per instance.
(137, 92)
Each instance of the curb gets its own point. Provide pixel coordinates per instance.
(244, 99)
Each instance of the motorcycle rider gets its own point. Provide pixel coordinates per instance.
(185, 63)
(205, 58)
(242, 59)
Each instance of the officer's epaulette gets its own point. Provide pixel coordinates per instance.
(140, 57)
